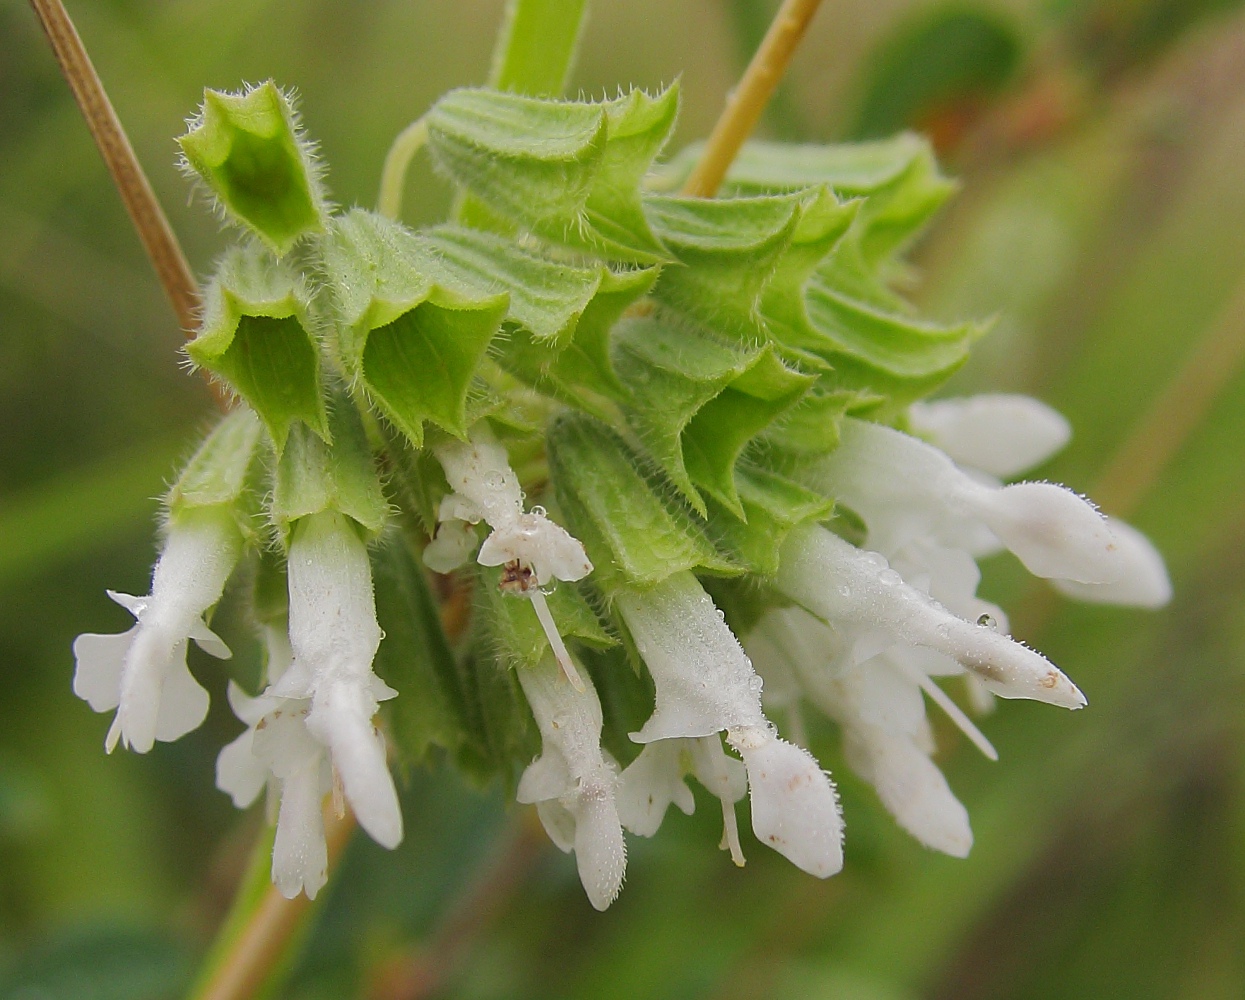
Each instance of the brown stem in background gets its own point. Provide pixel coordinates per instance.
(426, 969)
(1177, 412)
(262, 942)
(746, 103)
(127, 173)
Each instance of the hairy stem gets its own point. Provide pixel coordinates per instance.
(747, 102)
(127, 173)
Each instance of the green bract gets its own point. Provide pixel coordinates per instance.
(257, 336)
(249, 150)
(568, 171)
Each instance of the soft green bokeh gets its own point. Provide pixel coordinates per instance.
(1102, 218)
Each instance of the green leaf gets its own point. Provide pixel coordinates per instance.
(416, 477)
(415, 658)
(313, 476)
(218, 471)
(521, 642)
(256, 336)
(568, 171)
(696, 400)
(412, 333)
(249, 150)
(773, 506)
(499, 724)
(633, 536)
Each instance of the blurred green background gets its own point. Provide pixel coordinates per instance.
(1101, 144)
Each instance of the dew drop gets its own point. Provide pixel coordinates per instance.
(889, 577)
(988, 621)
(539, 511)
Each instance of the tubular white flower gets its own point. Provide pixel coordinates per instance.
(573, 783)
(705, 685)
(655, 779)
(534, 549)
(334, 637)
(142, 673)
(998, 433)
(856, 592)
(878, 704)
(905, 489)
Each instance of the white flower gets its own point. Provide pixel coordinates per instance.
(277, 751)
(334, 637)
(533, 549)
(860, 596)
(142, 673)
(706, 685)
(299, 770)
(879, 706)
(573, 783)
(906, 489)
(655, 779)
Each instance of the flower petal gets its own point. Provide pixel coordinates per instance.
(794, 807)
(1144, 582)
(998, 433)
(239, 773)
(912, 788)
(183, 702)
(100, 659)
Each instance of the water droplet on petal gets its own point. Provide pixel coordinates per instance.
(539, 511)
(988, 621)
(889, 577)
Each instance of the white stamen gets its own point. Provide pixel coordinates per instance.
(560, 652)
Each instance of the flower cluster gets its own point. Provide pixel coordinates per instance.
(708, 397)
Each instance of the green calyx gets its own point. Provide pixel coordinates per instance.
(257, 337)
(410, 332)
(249, 150)
(313, 476)
(634, 535)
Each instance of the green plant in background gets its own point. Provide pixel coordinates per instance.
(599, 402)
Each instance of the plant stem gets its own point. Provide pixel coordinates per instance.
(536, 46)
(397, 161)
(747, 102)
(258, 947)
(127, 173)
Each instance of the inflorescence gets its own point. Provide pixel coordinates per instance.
(707, 396)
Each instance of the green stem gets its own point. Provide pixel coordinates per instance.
(536, 46)
(393, 177)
